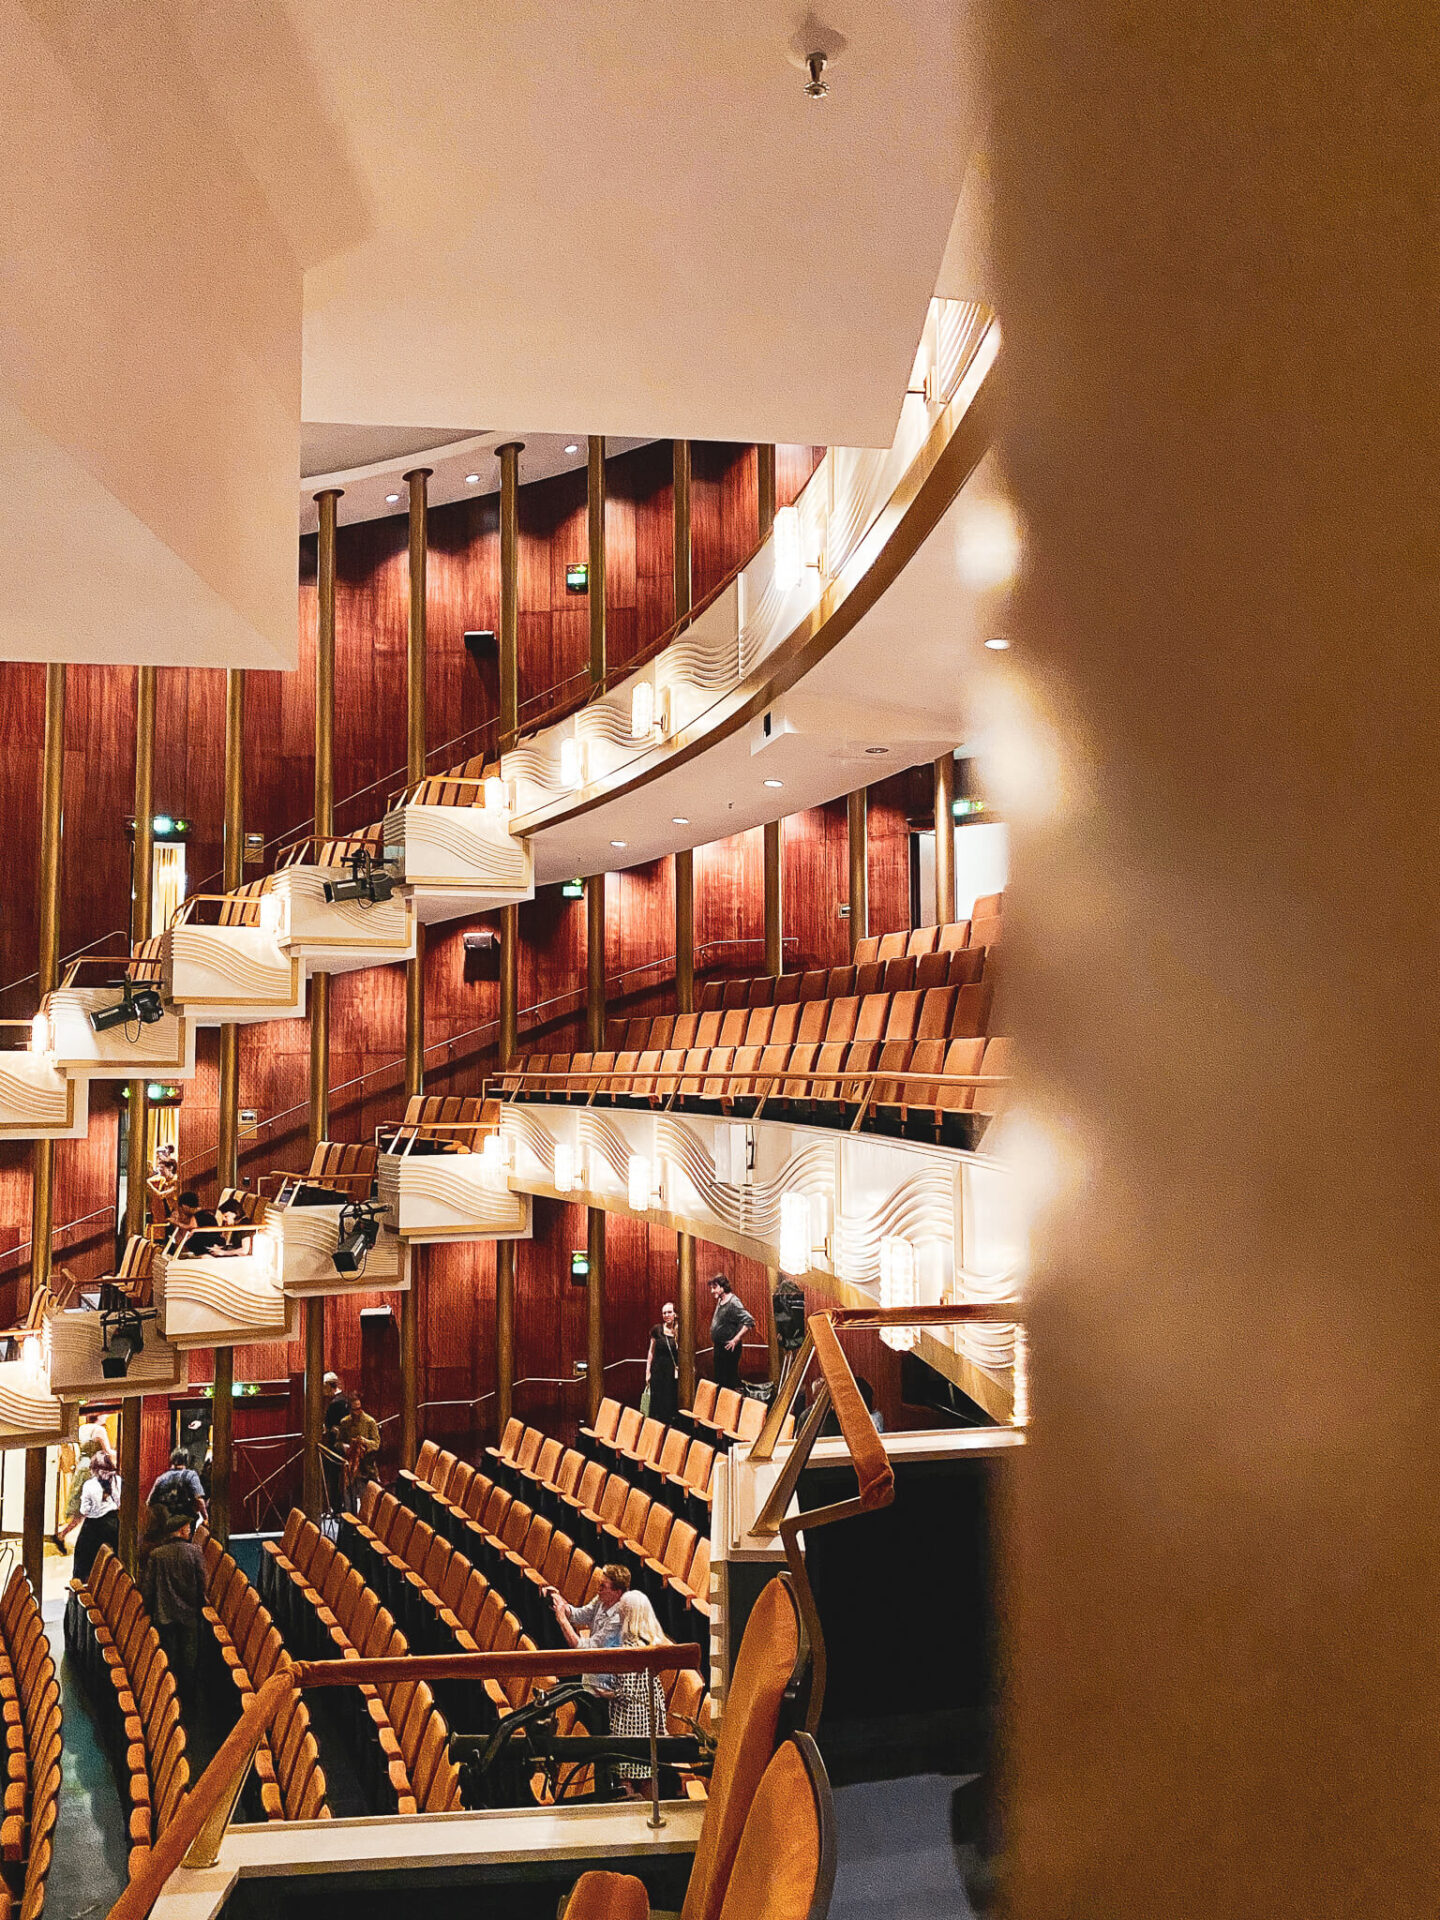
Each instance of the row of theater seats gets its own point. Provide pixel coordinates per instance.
(132, 1689)
(327, 1612)
(246, 1646)
(457, 1604)
(909, 1060)
(524, 1551)
(30, 1700)
(550, 1474)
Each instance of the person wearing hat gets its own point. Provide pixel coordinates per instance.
(173, 1588)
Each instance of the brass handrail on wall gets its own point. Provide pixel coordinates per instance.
(194, 1837)
(874, 1473)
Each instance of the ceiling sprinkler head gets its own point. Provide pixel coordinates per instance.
(816, 87)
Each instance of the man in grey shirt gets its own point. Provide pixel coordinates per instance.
(729, 1325)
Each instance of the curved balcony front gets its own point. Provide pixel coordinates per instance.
(133, 1050)
(336, 935)
(865, 1219)
(38, 1101)
(457, 856)
(77, 1339)
(231, 974)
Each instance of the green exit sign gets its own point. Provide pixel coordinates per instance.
(577, 577)
(580, 1266)
(572, 890)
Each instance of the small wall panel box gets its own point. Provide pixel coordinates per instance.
(577, 577)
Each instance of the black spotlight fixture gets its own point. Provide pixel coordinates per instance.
(359, 1230)
(137, 1007)
(122, 1332)
(370, 882)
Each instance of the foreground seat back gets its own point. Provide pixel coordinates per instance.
(770, 1666)
(785, 1866)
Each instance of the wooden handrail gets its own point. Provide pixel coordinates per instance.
(193, 1838)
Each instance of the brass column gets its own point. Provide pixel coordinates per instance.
(141, 876)
(685, 1315)
(684, 596)
(685, 1003)
(227, 1159)
(509, 458)
(505, 1249)
(414, 969)
(944, 839)
(42, 1196)
(594, 1312)
(685, 931)
(141, 928)
(595, 961)
(765, 486)
(772, 1332)
(774, 901)
(313, 1484)
(858, 818)
(595, 503)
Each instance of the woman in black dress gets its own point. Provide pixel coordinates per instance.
(662, 1367)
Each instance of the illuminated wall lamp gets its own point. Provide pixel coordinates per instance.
(795, 1233)
(572, 763)
(272, 913)
(497, 794)
(564, 1166)
(42, 1034)
(789, 555)
(494, 1156)
(897, 1287)
(649, 711)
(639, 1183)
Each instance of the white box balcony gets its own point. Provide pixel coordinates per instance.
(336, 936)
(456, 858)
(38, 1101)
(212, 1299)
(135, 1050)
(232, 973)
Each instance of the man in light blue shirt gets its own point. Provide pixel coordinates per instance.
(596, 1624)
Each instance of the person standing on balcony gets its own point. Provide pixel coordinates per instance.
(729, 1325)
(662, 1366)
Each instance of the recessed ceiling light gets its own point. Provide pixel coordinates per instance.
(574, 447)
(617, 843)
(774, 783)
(392, 498)
(679, 820)
(877, 749)
(472, 479)
(998, 644)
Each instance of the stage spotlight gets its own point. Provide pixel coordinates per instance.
(369, 884)
(359, 1230)
(122, 1332)
(137, 1007)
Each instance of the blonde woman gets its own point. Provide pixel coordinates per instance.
(627, 1692)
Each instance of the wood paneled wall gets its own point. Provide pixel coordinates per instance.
(456, 1283)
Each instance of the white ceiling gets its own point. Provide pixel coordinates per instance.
(621, 219)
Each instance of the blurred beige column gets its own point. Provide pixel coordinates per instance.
(1215, 734)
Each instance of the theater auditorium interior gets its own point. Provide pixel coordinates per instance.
(716, 1118)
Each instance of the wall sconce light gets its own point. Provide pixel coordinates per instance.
(494, 1156)
(794, 1233)
(897, 1287)
(639, 1183)
(42, 1036)
(789, 564)
(272, 913)
(572, 763)
(642, 710)
(564, 1166)
(497, 794)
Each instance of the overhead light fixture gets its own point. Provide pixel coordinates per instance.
(359, 1230)
(897, 1287)
(785, 537)
(472, 479)
(619, 843)
(392, 498)
(574, 447)
(679, 820)
(369, 885)
(877, 750)
(136, 1007)
(774, 783)
(998, 644)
